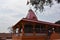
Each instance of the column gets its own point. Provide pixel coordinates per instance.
(22, 28)
(14, 30)
(34, 29)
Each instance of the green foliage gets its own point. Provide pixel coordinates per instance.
(39, 4)
(58, 22)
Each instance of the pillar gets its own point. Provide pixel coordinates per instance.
(34, 33)
(22, 28)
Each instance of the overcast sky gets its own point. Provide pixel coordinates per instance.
(11, 11)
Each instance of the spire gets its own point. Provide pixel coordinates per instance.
(31, 15)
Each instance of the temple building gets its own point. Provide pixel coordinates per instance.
(30, 28)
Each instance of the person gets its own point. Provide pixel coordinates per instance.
(50, 31)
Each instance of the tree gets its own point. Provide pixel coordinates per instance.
(58, 22)
(39, 4)
(10, 29)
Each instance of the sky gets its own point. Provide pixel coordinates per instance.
(11, 11)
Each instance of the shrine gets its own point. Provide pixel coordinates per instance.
(30, 28)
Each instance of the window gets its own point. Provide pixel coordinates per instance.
(43, 28)
(40, 28)
(28, 28)
(37, 28)
(57, 29)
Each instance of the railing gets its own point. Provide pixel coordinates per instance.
(31, 34)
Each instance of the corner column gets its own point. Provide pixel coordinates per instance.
(22, 28)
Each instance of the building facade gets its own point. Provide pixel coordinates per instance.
(30, 28)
